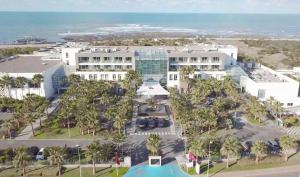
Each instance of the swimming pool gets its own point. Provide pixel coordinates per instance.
(163, 171)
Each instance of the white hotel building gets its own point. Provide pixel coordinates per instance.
(158, 65)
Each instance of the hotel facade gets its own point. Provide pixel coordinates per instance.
(156, 64)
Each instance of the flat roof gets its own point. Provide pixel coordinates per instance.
(200, 48)
(26, 64)
(262, 75)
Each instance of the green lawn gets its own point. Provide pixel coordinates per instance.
(62, 133)
(51, 171)
(221, 167)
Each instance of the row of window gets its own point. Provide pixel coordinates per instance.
(104, 59)
(173, 77)
(194, 59)
(115, 77)
(105, 67)
(197, 67)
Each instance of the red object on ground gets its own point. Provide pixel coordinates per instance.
(117, 159)
(192, 156)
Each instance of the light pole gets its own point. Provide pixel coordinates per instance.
(207, 174)
(78, 150)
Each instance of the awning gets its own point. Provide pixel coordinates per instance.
(151, 89)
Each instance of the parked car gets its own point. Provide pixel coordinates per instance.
(151, 123)
(40, 155)
(141, 123)
(162, 123)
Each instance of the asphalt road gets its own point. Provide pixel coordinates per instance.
(43, 143)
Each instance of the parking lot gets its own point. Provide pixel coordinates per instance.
(147, 126)
(151, 120)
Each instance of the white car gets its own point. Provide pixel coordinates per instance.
(40, 155)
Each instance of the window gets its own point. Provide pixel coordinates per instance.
(128, 59)
(194, 59)
(261, 93)
(83, 67)
(216, 59)
(119, 77)
(204, 59)
(68, 62)
(106, 76)
(175, 77)
(102, 76)
(204, 67)
(83, 59)
(118, 67)
(97, 59)
(97, 67)
(95, 76)
(91, 77)
(171, 77)
(106, 59)
(215, 67)
(290, 104)
(114, 76)
(67, 55)
(108, 67)
(172, 59)
(128, 67)
(118, 59)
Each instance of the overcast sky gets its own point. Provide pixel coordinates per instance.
(198, 6)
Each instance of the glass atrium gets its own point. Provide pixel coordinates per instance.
(152, 64)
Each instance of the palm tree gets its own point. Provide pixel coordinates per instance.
(21, 159)
(231, 146)
(56, 157)
(255, 109)
(30, 119)
(20, 83)
(7, 82)
(17, 117)
(37, 80)
(92, 119)
(132, 80)
(119, 122)
(278, 109)
(93, 153)
(8, 124)
(209, 117)
(74, 79)
(287, 143)
(185, 73)
(153, 144)
(259, 149)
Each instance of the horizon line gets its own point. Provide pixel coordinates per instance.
(154, 12)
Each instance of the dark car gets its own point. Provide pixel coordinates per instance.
(162, 123)
(141, 123)
(247, 146)
(151, 123)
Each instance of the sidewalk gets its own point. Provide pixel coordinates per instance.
(27, 132)
(260, 172)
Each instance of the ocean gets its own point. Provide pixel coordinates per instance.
(53, 26)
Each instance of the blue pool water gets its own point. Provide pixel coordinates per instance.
(163, 171)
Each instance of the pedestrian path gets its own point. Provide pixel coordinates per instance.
(292, 131)
(27, 131)
(156, 133)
